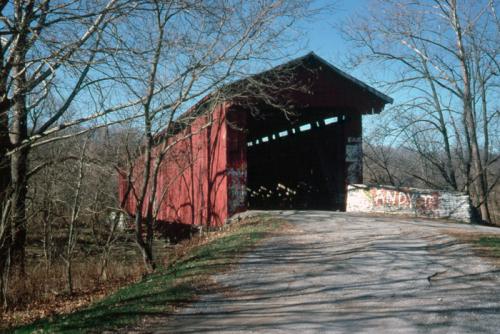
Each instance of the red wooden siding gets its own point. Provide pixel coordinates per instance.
(192, 181)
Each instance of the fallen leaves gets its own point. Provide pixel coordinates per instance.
(59, 303)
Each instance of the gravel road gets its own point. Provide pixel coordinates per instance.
(344, 273)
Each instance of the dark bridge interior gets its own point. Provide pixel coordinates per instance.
(297, 163)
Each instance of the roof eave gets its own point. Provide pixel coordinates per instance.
(382, 96)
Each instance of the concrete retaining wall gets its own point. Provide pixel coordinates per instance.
(408, 201)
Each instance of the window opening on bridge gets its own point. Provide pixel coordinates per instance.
(305, 127)
(331, 120)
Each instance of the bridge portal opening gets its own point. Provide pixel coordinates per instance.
(297, 162)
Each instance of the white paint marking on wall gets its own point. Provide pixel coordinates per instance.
(409, 201)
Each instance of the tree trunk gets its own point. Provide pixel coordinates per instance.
(145, 247)
(478, 175)
(147, 256)
(450, 177)
(4, 273)
(103, 273)
(5, 251)
(4, 160)
(149, 240)
(69, 275)
(18, 171)
(5, 237)
(47, 239)
(18, 214)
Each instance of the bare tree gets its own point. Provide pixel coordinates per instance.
(47, 50)
(214, 42)
(107, 220)
(74, 217)
(442, 55)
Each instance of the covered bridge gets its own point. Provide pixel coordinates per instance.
(296, 146)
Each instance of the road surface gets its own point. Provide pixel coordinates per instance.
(344, 273)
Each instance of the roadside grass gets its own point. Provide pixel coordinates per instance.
(489, 243)
(161, 292)
(482, 244)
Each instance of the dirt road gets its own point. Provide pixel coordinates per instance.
(342, 273)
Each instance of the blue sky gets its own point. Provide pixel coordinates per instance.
(323, 38)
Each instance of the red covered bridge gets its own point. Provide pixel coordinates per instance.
(260, 157)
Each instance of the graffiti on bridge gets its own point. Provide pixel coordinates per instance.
(422, 203)
(237, 188)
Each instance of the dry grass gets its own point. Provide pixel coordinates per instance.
(42, 292)
(190, 265)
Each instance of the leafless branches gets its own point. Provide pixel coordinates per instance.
(75, 68)
(442, 59)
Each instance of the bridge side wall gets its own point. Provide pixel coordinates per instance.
(416, 202)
